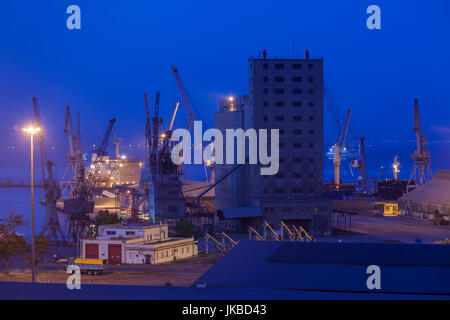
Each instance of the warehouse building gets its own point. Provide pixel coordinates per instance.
(137, 243)
(166, 250)
(430, 199)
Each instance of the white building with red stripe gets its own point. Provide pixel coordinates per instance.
(137, 243)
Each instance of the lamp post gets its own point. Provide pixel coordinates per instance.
(32, 131)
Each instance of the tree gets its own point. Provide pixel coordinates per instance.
(184, 228)
(105, 217)
(11, 243)
(41, 246)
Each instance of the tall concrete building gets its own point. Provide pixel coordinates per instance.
(287, 94)
(284, 94)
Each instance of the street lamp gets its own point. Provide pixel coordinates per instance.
(32, 131)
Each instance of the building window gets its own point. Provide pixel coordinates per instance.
(311, 145)
(310, 66)
(265, 104)
(296, 66)
(311, 175)
(279, 91)
(279, 66)
(297, 175)
(172, 209)
(297, 131)
(279, 118)
(311, 118)
(265, 66)
(130, 233)
(265, 91)
(310, 79)
(311, 91)
(281, 160)
(297, 91)
(311, 160)
(311, 131)
(281, 132)
(279, 190)
(279, 104)
(311, 190)
(297, 103)
(297, 190)
(297, 118)
(297, 160)
(281, 147)
(297, 145)
(287, 209)
(265, 79)
(265, 118)
(311, 104)
(110, 233)
(296, 79)
(279, 79)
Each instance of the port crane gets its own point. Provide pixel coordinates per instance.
(75, 164)
(82, 202)
(339, 147)
(147, 174)
(184, 99)
(395, 167)
(51, 225)
(421, 172)
(188, 108)
(356, 157)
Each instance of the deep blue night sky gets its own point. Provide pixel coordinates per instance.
(126, 48)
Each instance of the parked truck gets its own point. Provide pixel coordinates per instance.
(89, 266)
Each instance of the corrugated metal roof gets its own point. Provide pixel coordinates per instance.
(435, 191)
(130, 225)
(283, 265)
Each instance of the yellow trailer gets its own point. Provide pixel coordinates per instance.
(89, 266)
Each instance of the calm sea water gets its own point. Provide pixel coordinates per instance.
(19, 199)
(376, 157)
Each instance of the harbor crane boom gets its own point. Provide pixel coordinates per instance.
(51, 225)
(75, 162)
(184, 99)
(148, 130)
(421, 172)
(339, 147)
